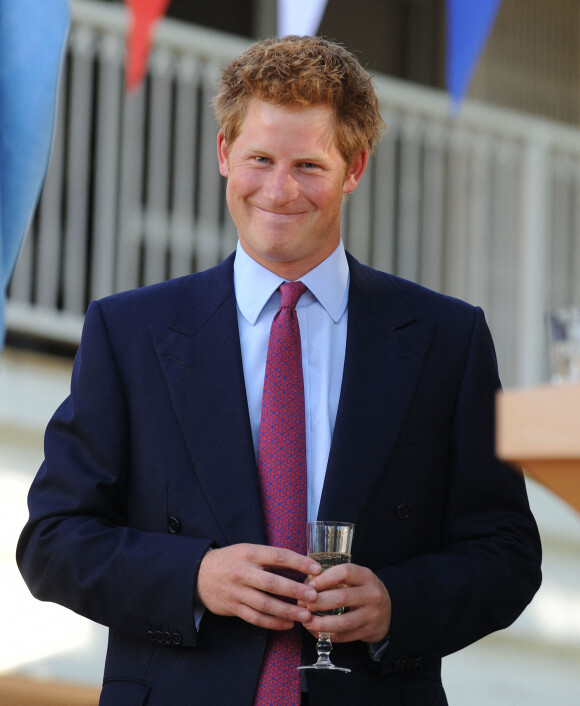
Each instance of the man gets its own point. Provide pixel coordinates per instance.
(152, 513)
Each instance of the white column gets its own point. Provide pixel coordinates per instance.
(529, 332)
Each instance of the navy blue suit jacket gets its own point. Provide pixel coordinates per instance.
(150, 461)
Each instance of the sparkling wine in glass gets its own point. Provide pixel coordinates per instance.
(328, 543)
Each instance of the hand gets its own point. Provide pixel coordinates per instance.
(369, 615)
(239, 581)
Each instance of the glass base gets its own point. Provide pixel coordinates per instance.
(325, 666)
(323, 649)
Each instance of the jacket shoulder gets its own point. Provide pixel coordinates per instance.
(160, 301)
(419, 299)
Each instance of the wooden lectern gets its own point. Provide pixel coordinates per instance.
(20, 691)
(538, 429)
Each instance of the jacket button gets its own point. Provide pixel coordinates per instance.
(173, 525)
(167, 638)
(159, 637)
(402, 512)
(176, 638)
(151, 635)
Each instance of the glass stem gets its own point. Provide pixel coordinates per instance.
(323, 647)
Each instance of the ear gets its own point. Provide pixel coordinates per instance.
(355, 171)
(222, 153)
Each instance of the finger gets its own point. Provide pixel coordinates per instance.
(285, 559)
(331, 600)
(262, 620)
(330, 623)
(353, 625)
(278, 585)
(364, 623)
(366, 632)
(272, 605)
(264, 610)
(349, 574)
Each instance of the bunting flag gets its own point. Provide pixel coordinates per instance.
(32, 40)
(301, 17)
(469, 23)
(143, 16)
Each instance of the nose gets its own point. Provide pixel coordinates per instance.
(281, 187)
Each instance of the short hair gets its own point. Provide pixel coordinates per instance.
(306, 71)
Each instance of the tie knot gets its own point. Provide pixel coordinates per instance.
(291, 293)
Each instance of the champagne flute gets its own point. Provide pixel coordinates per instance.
(328, 543)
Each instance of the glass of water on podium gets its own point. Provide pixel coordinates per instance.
(563, 326)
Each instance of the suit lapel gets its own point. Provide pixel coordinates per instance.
(385, 351)
(200, 356)
(199, 353)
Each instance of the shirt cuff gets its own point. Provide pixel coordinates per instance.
(377, 649)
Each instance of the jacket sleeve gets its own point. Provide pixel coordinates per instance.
(484, 568)
(77, 548)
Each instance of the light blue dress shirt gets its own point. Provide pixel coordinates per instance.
(322, 316)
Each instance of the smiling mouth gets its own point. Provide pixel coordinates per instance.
(280, 214)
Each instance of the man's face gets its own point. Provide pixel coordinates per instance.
(286, 183)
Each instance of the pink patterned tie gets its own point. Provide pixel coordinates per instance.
(282, 476)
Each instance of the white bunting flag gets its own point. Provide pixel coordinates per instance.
(301, 17)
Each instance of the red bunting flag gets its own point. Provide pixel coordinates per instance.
(144, 14)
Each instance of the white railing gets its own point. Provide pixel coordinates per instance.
(485, 207)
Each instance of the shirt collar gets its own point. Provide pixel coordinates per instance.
(327, 282)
